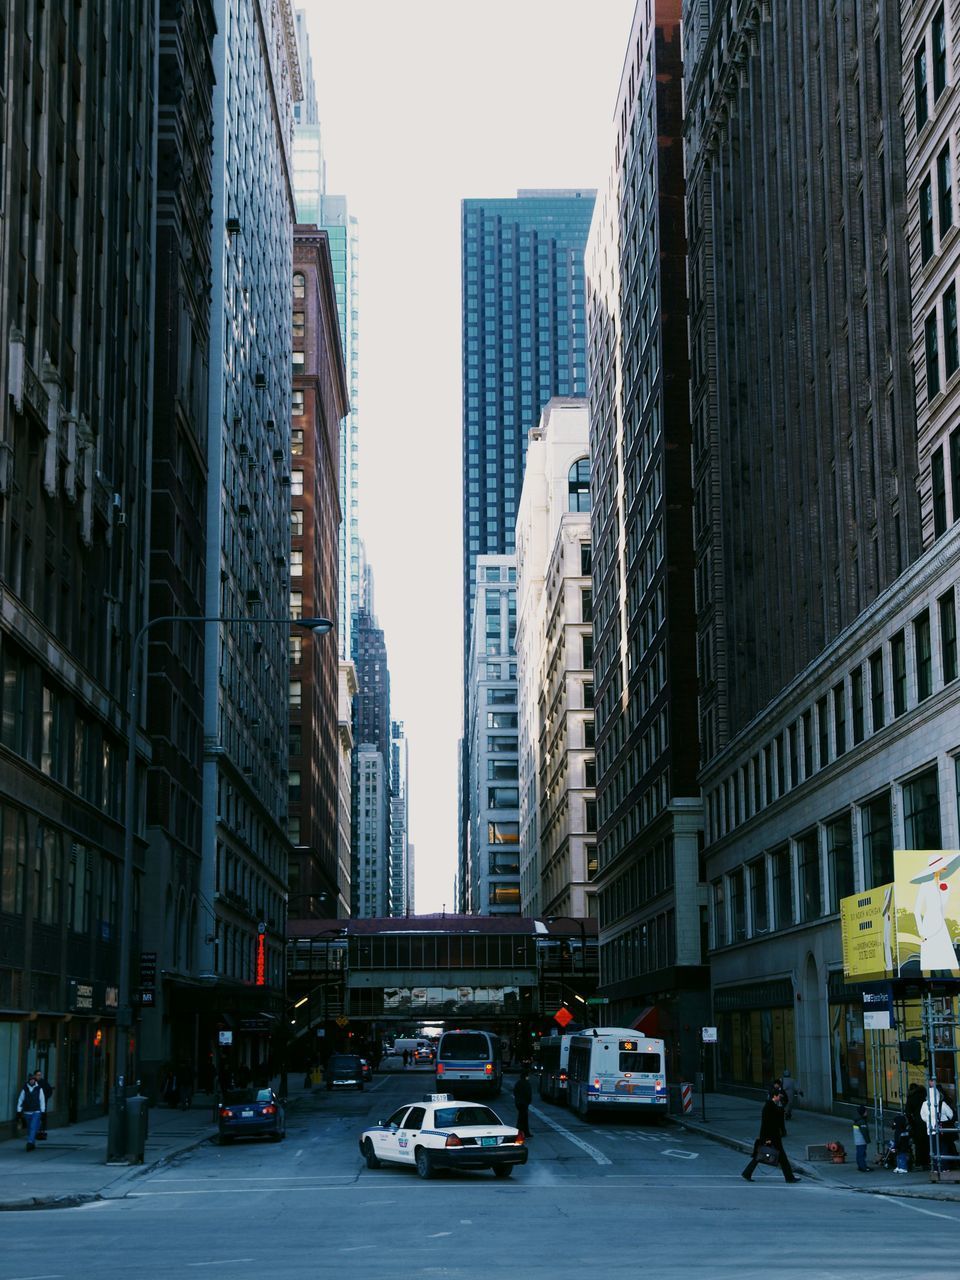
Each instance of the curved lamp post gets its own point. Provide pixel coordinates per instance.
(117, 1128)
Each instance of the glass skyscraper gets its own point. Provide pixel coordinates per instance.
(524, 341)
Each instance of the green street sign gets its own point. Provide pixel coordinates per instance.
(598, 999)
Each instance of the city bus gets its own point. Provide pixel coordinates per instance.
(615, 1067)
(469, 1062)
(554, 1052)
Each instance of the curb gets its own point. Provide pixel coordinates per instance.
(50, 1202)
(737, 1144)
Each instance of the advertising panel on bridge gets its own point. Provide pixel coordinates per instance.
(910, 927)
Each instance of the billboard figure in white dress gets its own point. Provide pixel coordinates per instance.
(930, 909)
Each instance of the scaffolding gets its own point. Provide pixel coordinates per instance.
(940, 1038)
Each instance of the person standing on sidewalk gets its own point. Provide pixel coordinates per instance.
(861, 1139)
(771, 1132)
(46, 1088)
(791, 1091)
(31, 1106)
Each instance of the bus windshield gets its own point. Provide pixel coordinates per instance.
(465, 1046)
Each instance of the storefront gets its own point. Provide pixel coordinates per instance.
(756, 1035)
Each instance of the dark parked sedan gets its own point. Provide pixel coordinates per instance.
(251, 1113)
(344, 1071)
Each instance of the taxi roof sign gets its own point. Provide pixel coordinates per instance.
(438, 1097)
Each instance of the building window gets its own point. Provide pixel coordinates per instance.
(587, 648)
(944, 191)
(840, 718)
(293, 786)
(503, 833)
(296, 524)
(590, 816)
(876, 690)
(807, 744)
(586, 604)
(923, 656)
(588, 694)
(503, 798)
(296, 604)
(840, 860)
(948, 635)
(738, 906)
(501, 719)
(586, 559)
(296, 564)
(299, 324)
(955, 471)
(299, 284)
(298, 361)
(782, 888)
(296, 441)
(938, 491)
(296, 484)
(932, 353)
(921, 811)
(919, 87)
(951, 349)
(296, 694)
(808, 865)
(876, 823)
(758, 895)
(823, 732)
(578, 485)
(504, 895)
(296, 648)
(856, 697)
(898, 659)
(926, 220)
(297, 403)
(719, 915)
(939, 54)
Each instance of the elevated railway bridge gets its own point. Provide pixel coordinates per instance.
(365, 980)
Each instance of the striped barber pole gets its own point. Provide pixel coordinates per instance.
(686, 1098)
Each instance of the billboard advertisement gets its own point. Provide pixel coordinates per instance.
(908, 928)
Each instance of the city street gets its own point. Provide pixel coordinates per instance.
(603, 1198)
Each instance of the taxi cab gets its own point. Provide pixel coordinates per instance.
(441, 1132)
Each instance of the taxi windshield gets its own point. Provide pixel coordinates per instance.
(447, 1117)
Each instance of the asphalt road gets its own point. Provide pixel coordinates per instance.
(603, 1200)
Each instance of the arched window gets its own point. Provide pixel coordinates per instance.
(299, 284)
(578, 485)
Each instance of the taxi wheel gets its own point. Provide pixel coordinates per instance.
(371, 1159)
(424, 1167)
(502, 1170)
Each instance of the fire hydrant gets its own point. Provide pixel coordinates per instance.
(837, 1153)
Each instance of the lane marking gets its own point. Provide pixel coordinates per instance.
(239, 1177)
(219, 1262)
(680, 1155)
(437, 1234)
(907, 1204)
(593, 1152)
(356, 1248)
(51, 1275)
(298, 1154)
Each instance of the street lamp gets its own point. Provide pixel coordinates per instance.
(117, 1128)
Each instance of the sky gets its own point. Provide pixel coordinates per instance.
(424, 103)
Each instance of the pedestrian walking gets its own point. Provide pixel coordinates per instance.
(791, 1091)
(31, 1106)
(771, 1134)
(861, 1139)
(406, 1058)
(47, 1090)
(901, 1144)
(523, 1096)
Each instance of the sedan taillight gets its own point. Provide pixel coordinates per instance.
(453, 1141)
(269, 1110)
(226, 1113)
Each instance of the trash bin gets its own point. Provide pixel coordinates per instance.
(137, 1125)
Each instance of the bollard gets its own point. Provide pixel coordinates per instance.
(686, 1097)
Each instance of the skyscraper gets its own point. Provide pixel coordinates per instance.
(399, 831)
(524, 341)
(245, 841)
(649, 811)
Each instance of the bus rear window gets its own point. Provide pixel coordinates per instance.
(640, 1062)
(456, 1048)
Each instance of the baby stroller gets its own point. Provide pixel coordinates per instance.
(898, 1153)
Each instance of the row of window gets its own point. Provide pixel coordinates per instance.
(806, 877)
(860, 704)
(644, 948)
(934, 43)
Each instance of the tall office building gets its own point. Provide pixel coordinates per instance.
(649, 814)
(557, 763)
(319, 404)
(77, 190)
(524, 341)
(399, 833)
(245, 843)
(827, 641)
(492, 870)
(370, 871)
(331, 212)
(174, 793)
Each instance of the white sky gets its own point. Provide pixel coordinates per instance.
(423, 103)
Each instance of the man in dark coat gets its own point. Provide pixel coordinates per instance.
(523, 1096)
(916, 1096)
(31, 1106)
(772, 1129)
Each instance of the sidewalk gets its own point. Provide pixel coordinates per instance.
(69, 1168)
(736, 1121)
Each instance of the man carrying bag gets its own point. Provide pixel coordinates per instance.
(768, 1148)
